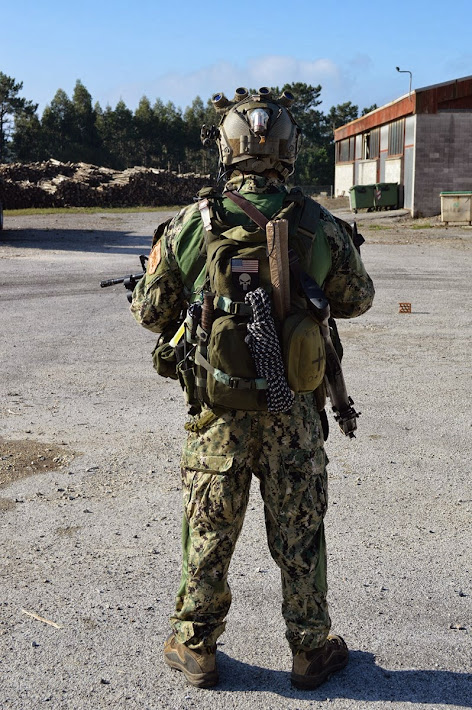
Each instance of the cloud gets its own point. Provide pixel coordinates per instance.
(279, 70)
(266, 70)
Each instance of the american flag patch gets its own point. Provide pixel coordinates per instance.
(245, 266)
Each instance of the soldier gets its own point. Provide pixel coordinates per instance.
(253, 378)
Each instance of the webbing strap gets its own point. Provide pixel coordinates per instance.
(204, 207)
(237, 308)
(259, 383)
(247, 207)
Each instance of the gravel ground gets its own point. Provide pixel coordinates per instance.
(90, 494)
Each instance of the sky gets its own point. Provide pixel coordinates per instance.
(175, 51)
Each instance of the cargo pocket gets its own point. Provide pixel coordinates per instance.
(207, 463)
(303, 496)
(215, 493)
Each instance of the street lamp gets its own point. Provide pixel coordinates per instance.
(406, 71)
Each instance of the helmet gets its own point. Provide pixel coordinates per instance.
(256, 133)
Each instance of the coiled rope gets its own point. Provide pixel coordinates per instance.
(265, 349)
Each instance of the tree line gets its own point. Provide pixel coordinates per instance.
(155, 134)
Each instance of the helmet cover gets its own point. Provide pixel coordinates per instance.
(258, 133)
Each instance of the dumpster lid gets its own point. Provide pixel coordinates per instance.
(457, 192)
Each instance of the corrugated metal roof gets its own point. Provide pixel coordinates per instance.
(444, 83)
(399, 108)
(449, 95)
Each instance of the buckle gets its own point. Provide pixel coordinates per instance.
(241, 383)
(238, 308)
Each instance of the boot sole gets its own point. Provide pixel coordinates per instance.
(198, 680)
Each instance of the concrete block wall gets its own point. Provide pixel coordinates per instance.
(443, 160)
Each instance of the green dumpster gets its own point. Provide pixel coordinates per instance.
(361, 197)
(386, 195)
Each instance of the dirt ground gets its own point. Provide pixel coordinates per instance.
(90, 507)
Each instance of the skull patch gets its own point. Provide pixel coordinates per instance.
(245, 281)
(245, 275)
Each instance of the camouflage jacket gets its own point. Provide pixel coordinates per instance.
(169, 284)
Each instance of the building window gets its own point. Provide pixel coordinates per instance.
(371, 144)
(396, 137)
(346, 150)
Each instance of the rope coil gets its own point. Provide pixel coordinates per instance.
(265, 349)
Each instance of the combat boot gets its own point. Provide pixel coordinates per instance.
(311, 668)
(199, 667)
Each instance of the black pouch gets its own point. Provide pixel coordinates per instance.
(186, 375)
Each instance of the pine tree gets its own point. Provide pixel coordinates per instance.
(11, 107)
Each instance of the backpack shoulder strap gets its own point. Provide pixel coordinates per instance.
(310, 217)
(302, 212)
(303, 215)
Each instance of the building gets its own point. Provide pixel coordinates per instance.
(422, 141)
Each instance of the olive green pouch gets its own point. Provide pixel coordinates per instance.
(304, 352)
(232, 381)
(164, 360)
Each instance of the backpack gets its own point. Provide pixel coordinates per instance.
(219, 369)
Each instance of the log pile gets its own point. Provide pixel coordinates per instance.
(55, 184)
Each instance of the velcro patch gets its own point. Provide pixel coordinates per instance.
(245, 274)
(154, 258)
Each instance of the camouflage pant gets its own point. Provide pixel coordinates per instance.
(285, 452)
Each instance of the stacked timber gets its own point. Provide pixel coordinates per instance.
(24, 193)
(55, 184)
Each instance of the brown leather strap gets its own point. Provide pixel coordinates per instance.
(247, 207)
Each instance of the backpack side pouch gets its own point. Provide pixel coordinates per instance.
(238, 386)
(164, 360)
(304, 352)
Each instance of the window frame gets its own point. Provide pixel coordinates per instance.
(396, 138)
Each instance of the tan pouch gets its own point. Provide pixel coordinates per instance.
(304, 352)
